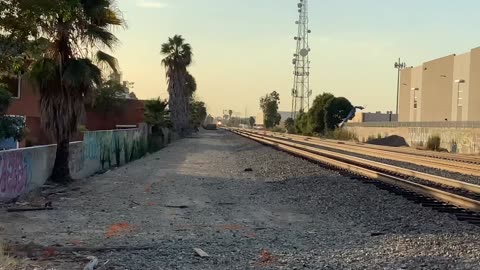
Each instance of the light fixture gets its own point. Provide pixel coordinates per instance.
(459, 81)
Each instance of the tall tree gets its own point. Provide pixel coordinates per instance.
(269, 105)
(68, 72)
(251, 121)
(316, 114)
(198, 113)
(230, 112)
(178, 56)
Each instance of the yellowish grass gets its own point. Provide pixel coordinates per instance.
(7, 262)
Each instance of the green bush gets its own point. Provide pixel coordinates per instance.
(433, 143)
(342, 135)
(278, 129)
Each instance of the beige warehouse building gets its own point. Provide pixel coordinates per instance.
(445, 89)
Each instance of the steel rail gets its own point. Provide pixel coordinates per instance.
(331, 159)
(441, 164)
(438, 155)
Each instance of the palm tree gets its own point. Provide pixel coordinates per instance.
(178, 56)
(68, 73)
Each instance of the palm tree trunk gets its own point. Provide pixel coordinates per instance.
(61, 171)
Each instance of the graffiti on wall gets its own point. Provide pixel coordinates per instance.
(15, 173)
(115, 147)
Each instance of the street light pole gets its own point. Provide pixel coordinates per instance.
(399, 66)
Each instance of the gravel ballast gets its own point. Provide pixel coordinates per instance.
(248, 206)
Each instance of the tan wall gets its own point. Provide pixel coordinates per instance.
(461, 71)
(416, 83)
(474, 93)
(404, 102)
(436, 90)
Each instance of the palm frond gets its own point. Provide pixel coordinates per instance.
(105, 58)
(81, 74)
(96, 35)
(44, 71)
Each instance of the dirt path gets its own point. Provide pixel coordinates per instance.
(284, 214)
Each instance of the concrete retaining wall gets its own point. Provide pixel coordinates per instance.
(25, 169)
(455, 140)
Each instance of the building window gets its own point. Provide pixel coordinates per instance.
(13, 84)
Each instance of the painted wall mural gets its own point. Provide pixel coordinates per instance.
(15, 173)
(114, 148)
(25, 169)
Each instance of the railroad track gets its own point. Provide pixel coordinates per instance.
(440, 193)
(456, 166)
(412, 152)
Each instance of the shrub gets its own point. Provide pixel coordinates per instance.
(342, 135)
(278, 129)
(433, 143)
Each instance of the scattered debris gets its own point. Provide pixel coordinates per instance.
(118, 229)
(177, 206)
(92, 264)
(266, 258)
(35, 251)
(226, 203)
(201, 253)
(248, 170)
(13, 209)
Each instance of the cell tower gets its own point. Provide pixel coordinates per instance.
(301, 92)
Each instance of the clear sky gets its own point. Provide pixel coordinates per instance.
(243, 48)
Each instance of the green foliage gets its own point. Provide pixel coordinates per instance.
(433, 143)
(5, 99)
(251, 121)
(316, 114)
(156, 113)
(326, 113)
(269, 105)
(12, 127)
(290, 125)
(109, 97)
(278, 129)
(342, 135)
(302, 124)
(336, 110)
(198, 112)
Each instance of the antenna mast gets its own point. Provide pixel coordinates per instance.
(301, 91)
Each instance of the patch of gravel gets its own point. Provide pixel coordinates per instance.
(310, 218)
(252, 207)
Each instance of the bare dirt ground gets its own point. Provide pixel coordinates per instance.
(247, 206)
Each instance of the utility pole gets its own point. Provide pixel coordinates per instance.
(301, 92)
(399, 66)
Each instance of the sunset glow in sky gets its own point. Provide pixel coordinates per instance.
(243, 49)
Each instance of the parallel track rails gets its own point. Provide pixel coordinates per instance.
(462, 158)
(443, 194)
(466, 168)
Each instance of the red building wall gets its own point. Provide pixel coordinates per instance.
(28, 105)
